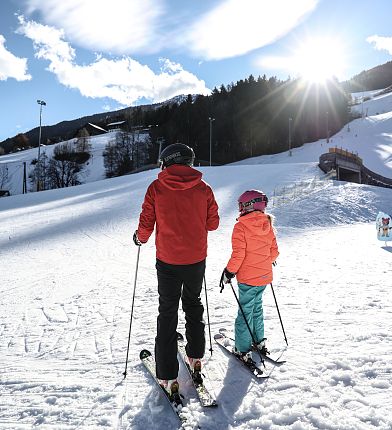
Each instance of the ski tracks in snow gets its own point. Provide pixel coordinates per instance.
(65, 319)
(60, 359)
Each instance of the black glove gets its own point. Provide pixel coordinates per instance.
(225, 278)
(136, 240)
(274, 263)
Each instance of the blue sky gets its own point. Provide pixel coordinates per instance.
(88, 56)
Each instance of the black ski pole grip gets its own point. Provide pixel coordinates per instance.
(221, 284)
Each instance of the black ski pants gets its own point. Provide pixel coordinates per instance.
(175, 282)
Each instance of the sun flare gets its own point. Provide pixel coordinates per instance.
(319, 59)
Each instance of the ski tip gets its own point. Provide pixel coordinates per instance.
(144, 353)
(262, 377)
(223, 331)
(180, 336)
(218, 336)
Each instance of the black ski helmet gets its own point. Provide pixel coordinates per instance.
(177, 153)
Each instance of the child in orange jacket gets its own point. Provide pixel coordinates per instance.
(254, 251)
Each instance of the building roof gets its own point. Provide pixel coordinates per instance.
(115, 123)
(97, 127)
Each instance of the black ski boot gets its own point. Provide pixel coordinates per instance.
(262, 348)
(195, 368)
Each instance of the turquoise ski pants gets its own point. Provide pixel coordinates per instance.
(251, 301)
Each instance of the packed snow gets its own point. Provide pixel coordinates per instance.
(67, 278)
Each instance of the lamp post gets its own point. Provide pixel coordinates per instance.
(41, 103)
(160, 140)
(211, 119)
(327, 127)
(290, 120)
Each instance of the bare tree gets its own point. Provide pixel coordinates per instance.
(21, 141)
(40, 173)
(83, 141)
(119, 154)
(65, 167)
(109, 160)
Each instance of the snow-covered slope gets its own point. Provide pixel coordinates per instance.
(94, 169)
(370, 137)
(66, 284)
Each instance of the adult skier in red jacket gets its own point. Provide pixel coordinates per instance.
(182, 208)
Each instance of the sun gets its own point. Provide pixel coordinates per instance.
(317, 60)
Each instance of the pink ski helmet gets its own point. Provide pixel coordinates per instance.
(252, 200)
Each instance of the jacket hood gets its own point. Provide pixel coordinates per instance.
(179, 177)
(257, 219)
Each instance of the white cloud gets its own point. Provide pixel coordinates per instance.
(118, 26)
(232, 28)
(123, 80)
(236, 27)
(381, 43)
(12, 66)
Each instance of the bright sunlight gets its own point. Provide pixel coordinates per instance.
(319, 59)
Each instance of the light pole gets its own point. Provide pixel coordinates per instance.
(327, 127)
(211, 119)
(41, 103)
(290, 120)
(160, 140)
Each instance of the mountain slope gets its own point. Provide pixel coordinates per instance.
(66, 130)
(372, 79)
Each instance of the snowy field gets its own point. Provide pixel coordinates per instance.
(66, 284)
(67, 276)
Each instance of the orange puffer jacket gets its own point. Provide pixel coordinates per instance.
(254, 249)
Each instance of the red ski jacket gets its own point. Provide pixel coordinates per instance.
(183, 209)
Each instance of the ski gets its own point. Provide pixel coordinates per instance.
(268, 358)
(226, 343)
(174, 401)
(205, 397)
(274, 361)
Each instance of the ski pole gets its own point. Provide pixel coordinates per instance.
(133, 301)
(277, 307)
(246, 321)
(208, 313)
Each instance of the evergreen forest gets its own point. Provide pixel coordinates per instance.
(249, 118)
